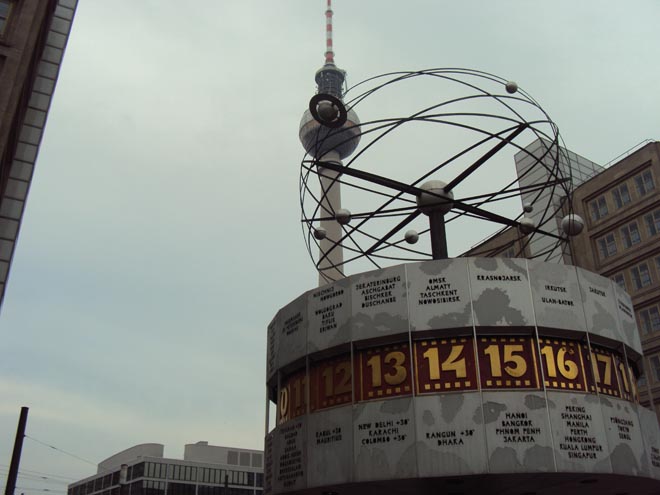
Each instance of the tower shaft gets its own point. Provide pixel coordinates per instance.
(331, 257)
(330, 80)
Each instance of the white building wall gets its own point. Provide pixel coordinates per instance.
(114, 462)
(203, 452)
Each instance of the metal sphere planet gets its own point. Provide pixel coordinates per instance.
(572, 224)
(438, 200)
(511, 87)
(527, 226)
(411, 236)
(343, 216)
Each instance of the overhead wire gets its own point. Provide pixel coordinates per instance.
(34, 472)
(36, 477)
(35, 489)
(82, 459)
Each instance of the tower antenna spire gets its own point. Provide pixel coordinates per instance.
(329, 52)
(329, 78)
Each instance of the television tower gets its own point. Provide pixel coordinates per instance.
(326, 141)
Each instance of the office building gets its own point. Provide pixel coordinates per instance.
(33, 36)
(204, 470)
(621, 240)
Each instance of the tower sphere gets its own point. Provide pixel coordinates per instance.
(318, 139)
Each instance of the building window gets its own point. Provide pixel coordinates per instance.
(212, 490)
(607, 246)
(138, 470)
(641, 276)
(160, 471)
(154, 488)
(180, 488)
(653, 222)
(232, 457)
(649, 319)
(644, 183)
(598, 208)
(655, 366)
(5, 10)
(190, 473)
(621, 195)
(620, 280)
(630, 234)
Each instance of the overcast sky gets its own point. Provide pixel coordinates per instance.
(162, 229)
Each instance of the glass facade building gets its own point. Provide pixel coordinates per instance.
(572, 166)
(205, 470)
